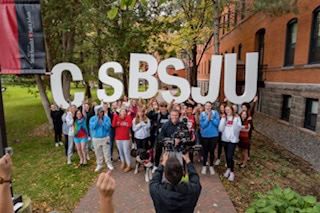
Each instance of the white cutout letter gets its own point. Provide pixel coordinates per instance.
(106, 79)
(136, 75)
(251, 75)
(182, 83)
(56, 83)
(214, 82)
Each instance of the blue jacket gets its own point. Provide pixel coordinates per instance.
(210, 128)
(100, 127)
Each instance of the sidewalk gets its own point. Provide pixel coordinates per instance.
(132, 194)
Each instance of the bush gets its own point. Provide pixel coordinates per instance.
(287, 200)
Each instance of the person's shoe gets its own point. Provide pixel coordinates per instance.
(227, 173)
(98, 168)
(69, 161)
(204, 170)
(123, 165)
(154, 169)
(110, 166)
(217, 163)
(57, 144)
(88, 157)
(231, 176)
(128, 169)
(60, 143)
(211, 170)
(146, 176)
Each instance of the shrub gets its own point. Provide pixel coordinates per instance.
(286, 200)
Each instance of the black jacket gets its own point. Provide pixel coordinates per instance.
(180, 198)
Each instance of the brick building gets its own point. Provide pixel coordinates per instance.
(289, 65)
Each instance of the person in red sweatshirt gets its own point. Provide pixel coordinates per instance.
(122, 124)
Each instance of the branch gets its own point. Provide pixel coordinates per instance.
(205, 47)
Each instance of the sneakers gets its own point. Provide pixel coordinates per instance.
(204, 170)
(57, 144)
(98, 168)
(154, 169)
(231, 176)
(227, 173)
(211, 170)
(60, 143)
(110, 166)
(217, 163)
(128, 169)
(69, 161)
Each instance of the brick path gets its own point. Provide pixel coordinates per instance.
(132, 194)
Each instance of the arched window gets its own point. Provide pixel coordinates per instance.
(314, 56)
(239, 51)
(223, 24)
(243, 9)
(291, 42)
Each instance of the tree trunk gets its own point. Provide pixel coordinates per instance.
(66, 80)
(194, 73)
(88, 91)
(44, 98)
(216, 26)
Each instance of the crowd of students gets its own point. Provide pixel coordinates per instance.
(126, 122)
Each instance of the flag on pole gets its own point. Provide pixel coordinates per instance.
(22, 48)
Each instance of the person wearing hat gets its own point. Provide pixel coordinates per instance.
(100, 126)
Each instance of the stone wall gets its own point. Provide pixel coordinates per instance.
(297, 140)
(272, 99)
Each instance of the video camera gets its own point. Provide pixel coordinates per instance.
(185, 136)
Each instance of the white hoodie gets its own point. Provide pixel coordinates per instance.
(230, 129)
(141, 130)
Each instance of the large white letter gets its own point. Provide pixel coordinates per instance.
(214, 82)
(106, 79)
(251, 75)
(182, 83)
(56, 83)
(136, 75)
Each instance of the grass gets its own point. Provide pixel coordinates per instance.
(40, 170)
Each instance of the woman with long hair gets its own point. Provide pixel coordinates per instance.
(244, 138)
(141, 128)
(81, 134)
(230, 126)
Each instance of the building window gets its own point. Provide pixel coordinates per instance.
(291, 42)
(229, 17)
(223, 24)
(286, 106)
(243, 9)
(310, 120)
(239, 51)
(235, 14)
(233, 50)
(209, 66)
(314, 56)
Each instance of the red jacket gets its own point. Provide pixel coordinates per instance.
(122, 127)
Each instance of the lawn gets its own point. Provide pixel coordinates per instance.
(40, 169)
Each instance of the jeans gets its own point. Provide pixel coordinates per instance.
(124, 151)
(208, 146)
(111, 135)
(229, 149)
(70, 146)
(142, 143)
(66, 144)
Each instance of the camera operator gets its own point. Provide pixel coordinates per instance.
(174, 195)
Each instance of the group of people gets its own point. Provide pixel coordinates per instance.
(147, 123)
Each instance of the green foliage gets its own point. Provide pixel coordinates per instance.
(275, 7)
(284, 201)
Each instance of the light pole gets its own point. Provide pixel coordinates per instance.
(3, 135)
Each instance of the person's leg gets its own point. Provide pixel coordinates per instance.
(66, 137)
(145, 143)
(231, 149)
(205, 144)
(126, 151)
(212, 146)
(241, 152)
(245, 157)
(219, 146)
(84, 151)
(70, 148)
(111, 142)
(56, 136)
(78, 146)
(138, 143)
(121, 153)
(106, 153)
(225, 147)
(98, 151)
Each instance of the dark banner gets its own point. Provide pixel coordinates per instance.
(21, 37)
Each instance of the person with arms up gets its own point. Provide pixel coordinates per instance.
(172, 195)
